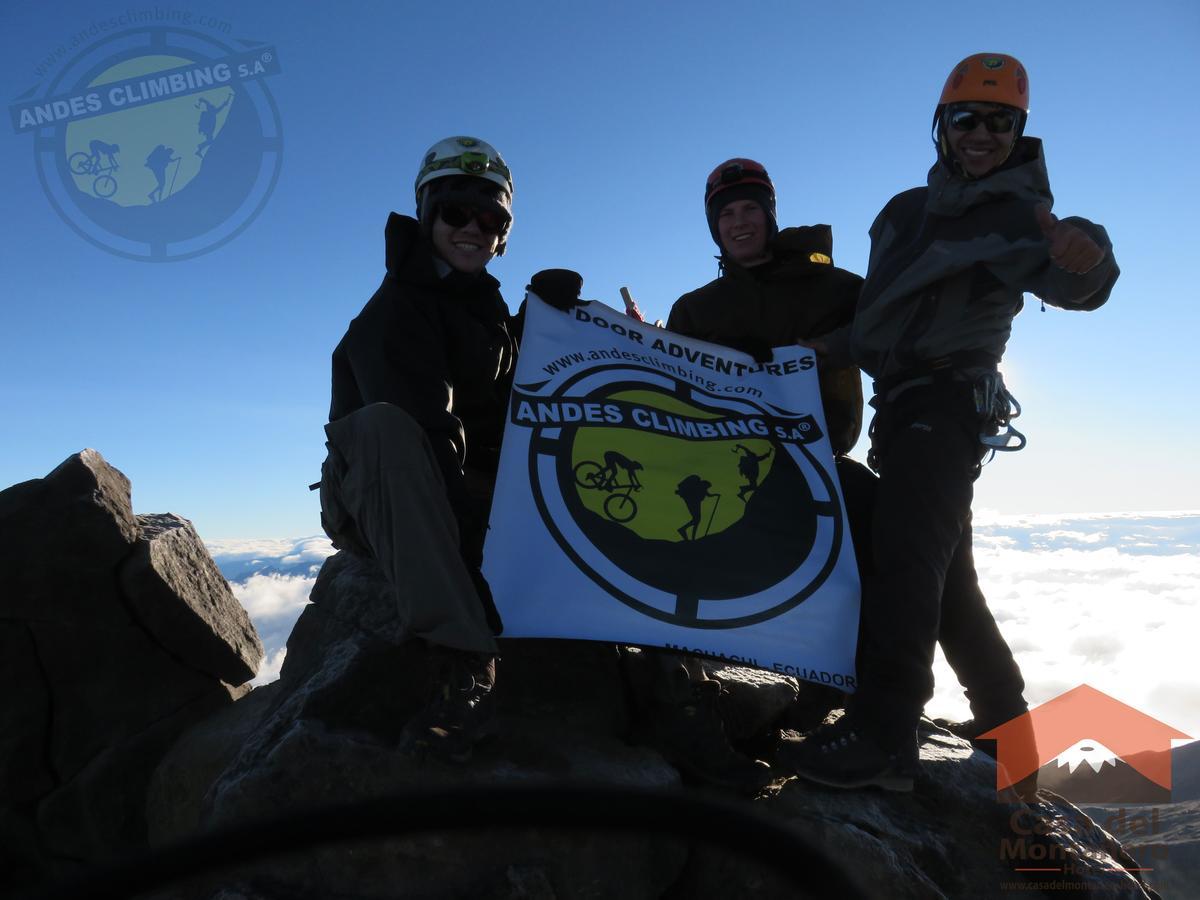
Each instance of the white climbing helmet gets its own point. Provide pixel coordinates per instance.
(463, 156)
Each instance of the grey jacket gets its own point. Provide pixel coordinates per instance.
(950, 262)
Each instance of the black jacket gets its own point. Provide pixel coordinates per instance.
(439, 347)
(798, 295)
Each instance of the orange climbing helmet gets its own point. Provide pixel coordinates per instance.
(982, 78)
(988, 78)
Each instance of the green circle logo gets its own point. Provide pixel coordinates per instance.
(157, 143)
(689, 507)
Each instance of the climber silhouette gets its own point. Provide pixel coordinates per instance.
(606, 478)
(158, 160)
(99, 148)
(748, 467)
(208, 122)
(694, 491)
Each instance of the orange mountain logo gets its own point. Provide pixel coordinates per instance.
(1088, 747)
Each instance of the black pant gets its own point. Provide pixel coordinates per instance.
(859, 490)
(924, 588)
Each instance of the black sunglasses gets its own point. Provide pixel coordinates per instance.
(996, 121)
(489, 221)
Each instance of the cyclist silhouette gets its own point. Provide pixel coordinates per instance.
(158, 160)
(208, 122)
(748, 468)
(99, 148)
(694, 491)
(606, 478)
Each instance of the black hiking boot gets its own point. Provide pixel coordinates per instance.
(691, 736)
(969, 730)
(459, 711)
(840, 755)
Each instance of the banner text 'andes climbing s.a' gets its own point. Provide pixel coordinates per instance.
(663, 491)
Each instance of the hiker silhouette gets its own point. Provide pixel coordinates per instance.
(748, 462)
(694, 490)
(607, 476)
(208, 122)
(158, 160)
(99, 148)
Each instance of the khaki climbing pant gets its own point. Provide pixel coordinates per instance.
(383, 495)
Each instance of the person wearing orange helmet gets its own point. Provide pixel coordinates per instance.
(948, 267)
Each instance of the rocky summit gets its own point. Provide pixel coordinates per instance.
(123, 736)
(117, 633)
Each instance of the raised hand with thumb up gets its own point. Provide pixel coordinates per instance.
(1070, 248)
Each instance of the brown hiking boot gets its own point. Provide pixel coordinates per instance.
(691, 736)
(459, 711)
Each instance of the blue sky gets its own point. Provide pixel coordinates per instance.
(206, 380)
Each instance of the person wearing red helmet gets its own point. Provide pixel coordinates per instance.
(774, 288)
(948, 267)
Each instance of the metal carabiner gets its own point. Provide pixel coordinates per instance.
(994, 401)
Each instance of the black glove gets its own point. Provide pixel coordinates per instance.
(756, 347)
(558, 287)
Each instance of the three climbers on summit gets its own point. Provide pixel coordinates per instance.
(421, 380)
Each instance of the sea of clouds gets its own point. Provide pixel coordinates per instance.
(1111, 600)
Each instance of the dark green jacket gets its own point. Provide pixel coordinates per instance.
(798, 295)
(950, 262)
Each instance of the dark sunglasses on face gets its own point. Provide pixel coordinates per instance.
(489, 221)
(996, 121)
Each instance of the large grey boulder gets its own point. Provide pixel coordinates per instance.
(82, 510)
(117, 633)
(177, 593)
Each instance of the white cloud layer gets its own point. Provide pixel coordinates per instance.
(273, 596)
(1110, 600)
(271, 665)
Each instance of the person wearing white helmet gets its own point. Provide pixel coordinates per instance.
(420, 387)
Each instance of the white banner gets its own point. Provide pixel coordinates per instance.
(664, 491)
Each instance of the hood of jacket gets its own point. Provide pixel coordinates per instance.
(794, 252)
(1021, 177)
(409, 257)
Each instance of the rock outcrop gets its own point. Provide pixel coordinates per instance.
(117, 632)
(325, 734)
(119, 646)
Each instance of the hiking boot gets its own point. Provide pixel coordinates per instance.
(459, 710)
(969, 730)
(691, 736)
(841, 755)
